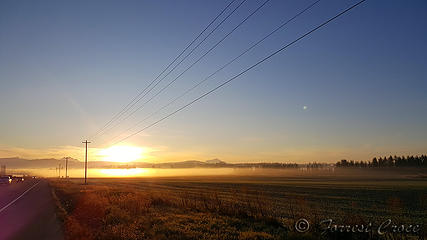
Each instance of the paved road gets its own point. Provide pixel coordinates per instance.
(27, 211)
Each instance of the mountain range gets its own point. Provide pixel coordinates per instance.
(20, 163)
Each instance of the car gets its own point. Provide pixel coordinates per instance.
(5, 180)
(17, 178)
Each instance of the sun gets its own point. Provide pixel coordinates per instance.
(122, 153)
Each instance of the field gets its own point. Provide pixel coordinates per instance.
(260, 206)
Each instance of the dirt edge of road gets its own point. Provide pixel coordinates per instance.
(59, 209)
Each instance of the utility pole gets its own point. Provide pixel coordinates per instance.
(66, 167)
(86, 142)
(59, 170)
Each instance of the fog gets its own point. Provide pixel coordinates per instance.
(307, 173)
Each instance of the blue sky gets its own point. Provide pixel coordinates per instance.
(67, 67)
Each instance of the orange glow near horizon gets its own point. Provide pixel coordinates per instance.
(122, 154)
(131, 172)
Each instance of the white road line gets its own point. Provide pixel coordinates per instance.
(16, 199)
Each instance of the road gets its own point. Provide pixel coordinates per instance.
(27, 211)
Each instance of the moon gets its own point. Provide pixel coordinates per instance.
(304, 107)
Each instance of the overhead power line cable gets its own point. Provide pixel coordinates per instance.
(164, 70)
(244, 71)
(194, 63)
(170, 71)
(281, 26)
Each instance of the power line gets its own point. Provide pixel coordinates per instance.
(194, 63)
(185, 57)
(224, 66)
(131, 103)
(188, 54)
(244, 71)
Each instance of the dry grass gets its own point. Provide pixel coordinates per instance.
(198, 209)
(100, 212)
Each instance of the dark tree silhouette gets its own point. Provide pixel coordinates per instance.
(391, 161)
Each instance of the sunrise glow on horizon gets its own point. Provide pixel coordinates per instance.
(122, 154)
(131, 172)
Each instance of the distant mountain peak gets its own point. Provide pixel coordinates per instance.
(214, 161)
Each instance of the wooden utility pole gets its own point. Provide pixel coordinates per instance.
(86, 142)
(59, 171)
(66, 167)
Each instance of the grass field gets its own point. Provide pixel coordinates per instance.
(261, 206)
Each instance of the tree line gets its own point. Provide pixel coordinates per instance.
(391, 161)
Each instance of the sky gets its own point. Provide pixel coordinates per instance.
(355, 89)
